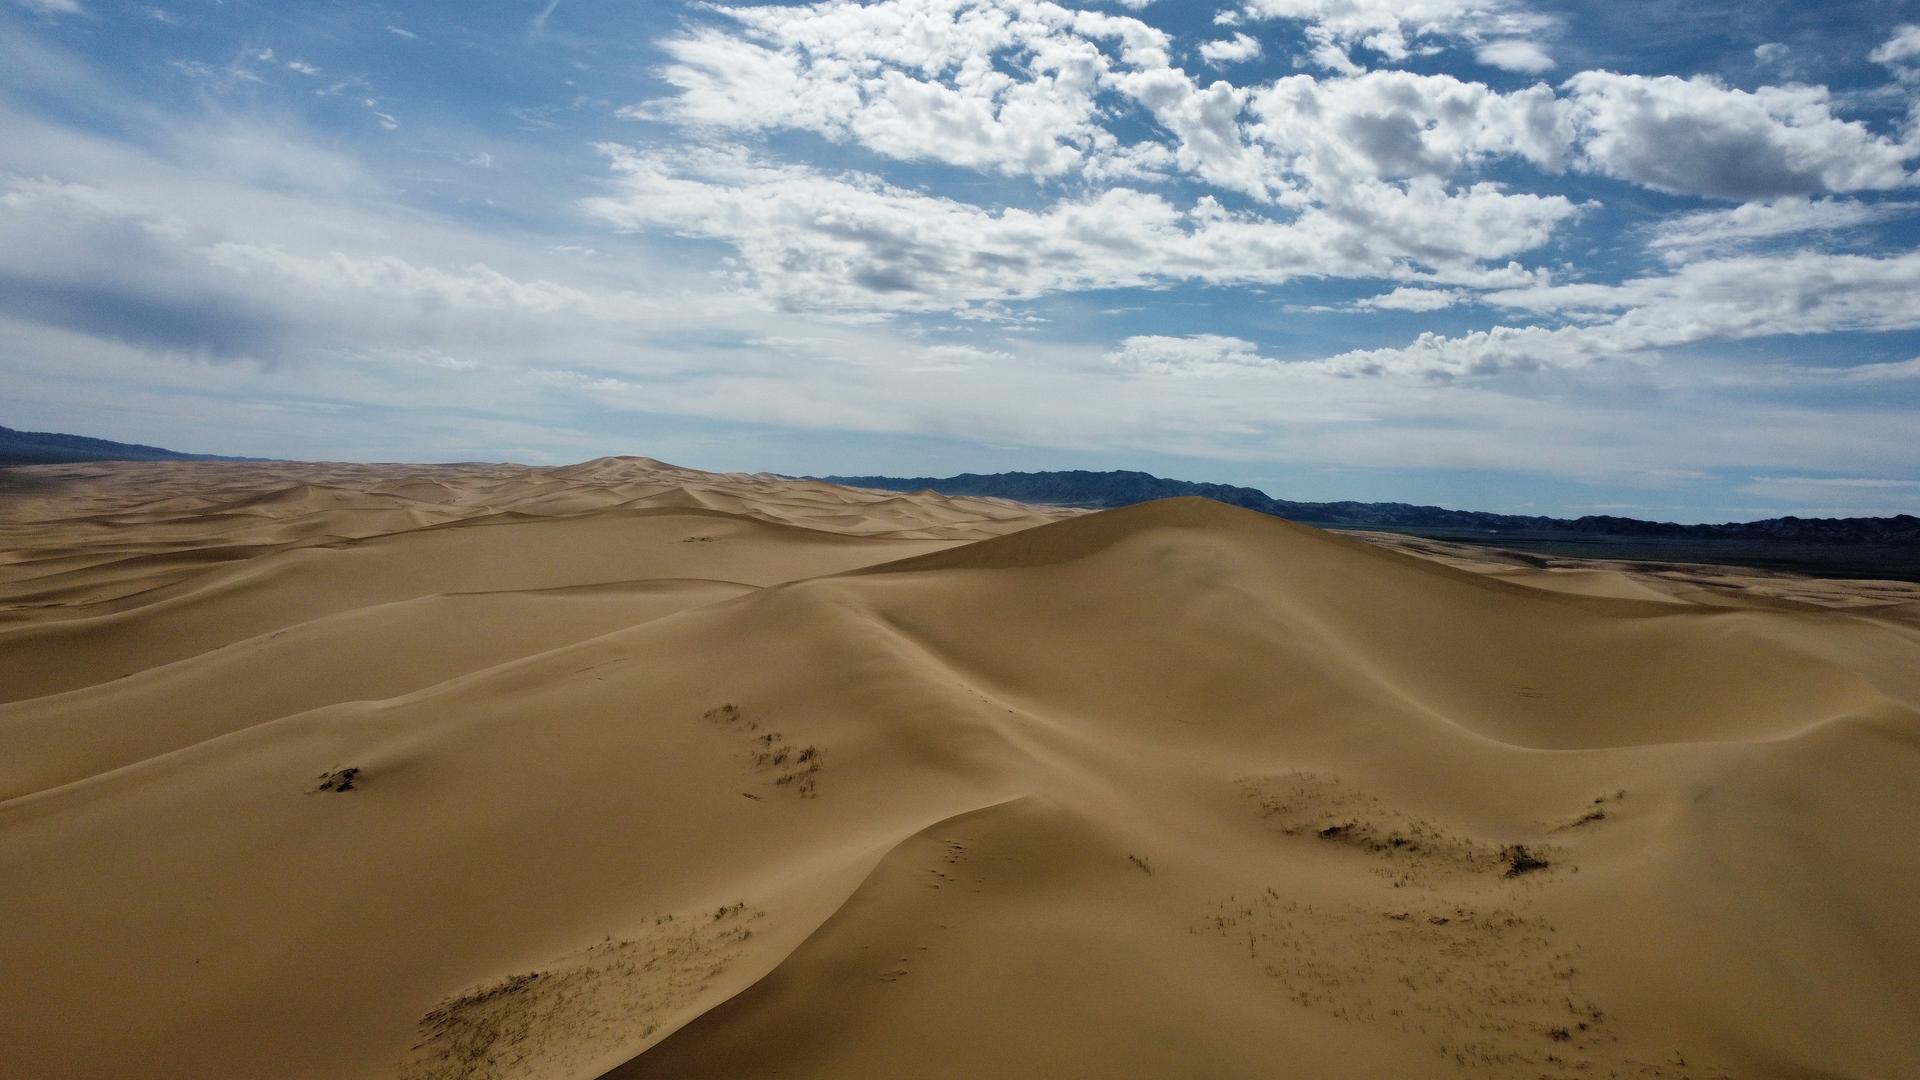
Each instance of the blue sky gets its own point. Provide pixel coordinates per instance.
(1644, 258)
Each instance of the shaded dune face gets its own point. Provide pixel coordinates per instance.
(627, 770)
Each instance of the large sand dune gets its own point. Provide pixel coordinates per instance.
(633, 771)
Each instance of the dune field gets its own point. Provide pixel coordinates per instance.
(631, 771)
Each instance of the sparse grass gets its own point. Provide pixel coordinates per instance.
(338, 779)
(801, 764)
(1519, 860)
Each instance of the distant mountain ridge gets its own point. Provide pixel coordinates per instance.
(1103, 490)
(56, 448)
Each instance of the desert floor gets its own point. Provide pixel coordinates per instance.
(627, 770)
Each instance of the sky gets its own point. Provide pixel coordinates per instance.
(1640, 258)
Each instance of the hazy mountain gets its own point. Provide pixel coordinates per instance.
(1079, 487)
(52, 448)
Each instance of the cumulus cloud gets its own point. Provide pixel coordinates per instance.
(1698, 137)
(1366, 171)
(912, 79)
(1028, 88)
(1107, 166)
(1393, 28)
(1396, 124)
(854, 243)
(1515, 54)
(1233, 50)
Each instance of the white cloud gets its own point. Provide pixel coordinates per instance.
(1024, 87)
(852, 243)
(1209, 142)
(222, 273)
(1236, 49)
(301, 67)
(1515, 54)
(954, 358)
(1197, 354)
(932, 80)
(1687, 236)
(1393, 27)
(1393, 124)
(1890, 371)
(1836, 496)
(397, 31)
(1840, 481)
(1902, 48)
(1771, 53)
(53, 7)
(400, 284)
(1751, 296)
(386, 119)
(912, 79)
(1698, 137)
(1723, 300)
(237, 243)
(1409, 298)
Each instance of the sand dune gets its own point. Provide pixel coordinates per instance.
(628, 770)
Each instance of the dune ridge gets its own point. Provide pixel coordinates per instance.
(627, 770)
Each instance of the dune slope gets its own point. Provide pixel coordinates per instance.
(749, 777)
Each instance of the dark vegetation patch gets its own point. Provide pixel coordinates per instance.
(1520, 860)
(797, 767)
(339, 779)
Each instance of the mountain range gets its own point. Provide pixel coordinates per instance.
(1102, 490)
(1123, 487)
(55, 448)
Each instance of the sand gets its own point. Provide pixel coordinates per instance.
(628, 770)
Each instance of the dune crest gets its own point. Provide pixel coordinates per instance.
(622, 769)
